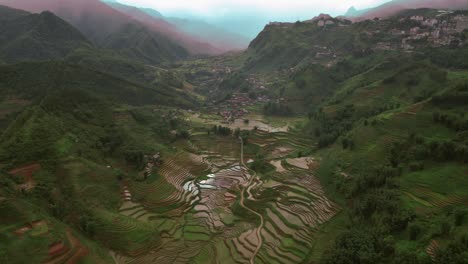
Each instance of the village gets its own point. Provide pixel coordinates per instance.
(236, 106)
(443, 29)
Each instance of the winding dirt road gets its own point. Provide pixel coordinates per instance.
(259, 229)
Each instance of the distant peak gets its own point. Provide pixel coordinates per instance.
(47, 14)
(322, 17)
(352, 9)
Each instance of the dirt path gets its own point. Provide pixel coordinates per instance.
(259, 229)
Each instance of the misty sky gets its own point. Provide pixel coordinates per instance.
(248, 17)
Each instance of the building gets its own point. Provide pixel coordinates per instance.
(417, 18)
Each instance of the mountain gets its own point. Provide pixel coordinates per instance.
(325, 40)
(158, 24)
(353, 12)
(220, 38)
(152, 12)
(386, 103)
(105, 26)
(35, 80)
(41, 36)
(355, 135)
(194, 33)
(393, 7)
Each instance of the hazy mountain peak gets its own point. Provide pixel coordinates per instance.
(152, 12)
(393, 7)
(352, 11)
(322, 17)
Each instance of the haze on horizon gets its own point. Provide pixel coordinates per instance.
(248, 17)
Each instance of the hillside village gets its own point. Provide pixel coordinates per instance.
(407, 32)
(443, 29)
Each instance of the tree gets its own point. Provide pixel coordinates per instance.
(237, 132)
(344, 143)
(356, 246)
(183, 134)
(414, 231)
(459, 215)
(445, 228)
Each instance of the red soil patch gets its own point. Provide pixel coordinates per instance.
(26, 172)
(17, 101)
(121, 116)
(56, 249)
(369, 93)
(414, 109)
(13, 102)
(60, 253)
(81, 250)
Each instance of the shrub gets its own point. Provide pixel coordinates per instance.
(414, 231)
(416, 166)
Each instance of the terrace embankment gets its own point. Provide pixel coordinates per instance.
(208, 206)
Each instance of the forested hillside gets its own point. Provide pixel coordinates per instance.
(326, 141)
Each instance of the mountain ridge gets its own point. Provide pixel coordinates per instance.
(41, 36)
(395, 6)
(101, 24)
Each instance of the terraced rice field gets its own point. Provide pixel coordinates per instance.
(429, 198)
(207, 207)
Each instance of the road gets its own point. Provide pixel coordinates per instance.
(259, 229)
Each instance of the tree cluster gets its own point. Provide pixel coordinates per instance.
(277, 109)
(221, 130)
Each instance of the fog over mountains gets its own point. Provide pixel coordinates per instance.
(204, 27)
(102, 22)
(395, 6)
(248, 18)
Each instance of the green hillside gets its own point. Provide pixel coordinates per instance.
(325, 142)
(136, 42)
(386, 103)
(36, 36)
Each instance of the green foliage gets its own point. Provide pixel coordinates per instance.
(277, 109)
(414, 231)
(38, 79)
(455, 252)
(36, 36)
(222, 131)
(357, 246)
(260, 165)
(450, 58)
(137, 42)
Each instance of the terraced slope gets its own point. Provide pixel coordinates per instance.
(205, 204)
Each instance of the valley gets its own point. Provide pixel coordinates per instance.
(212, 207)
(126, 138)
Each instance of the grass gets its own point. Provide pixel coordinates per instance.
(327, 234)
(93, 184)
(125, 234)
(444, 179)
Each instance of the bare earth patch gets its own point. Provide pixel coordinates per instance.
(278, 166)
(280, 152)
(303, 163)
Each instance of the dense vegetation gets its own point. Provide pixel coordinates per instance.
(96, 148)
